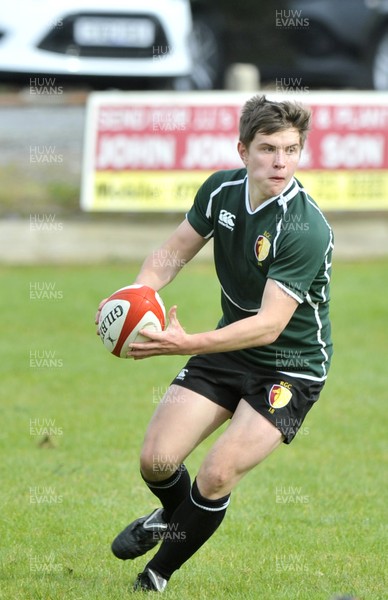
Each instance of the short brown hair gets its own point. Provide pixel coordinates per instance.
(267, 117)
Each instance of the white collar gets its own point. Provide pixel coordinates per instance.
(286, 195)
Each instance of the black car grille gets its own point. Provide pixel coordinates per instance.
(61, 39)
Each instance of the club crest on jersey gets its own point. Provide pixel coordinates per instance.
(262, 248)
(279, 396)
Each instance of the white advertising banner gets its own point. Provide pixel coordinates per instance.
(151, 151)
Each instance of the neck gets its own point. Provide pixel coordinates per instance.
(257, 197)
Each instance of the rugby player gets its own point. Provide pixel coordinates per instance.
(263, 366)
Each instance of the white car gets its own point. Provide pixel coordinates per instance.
(96, 40)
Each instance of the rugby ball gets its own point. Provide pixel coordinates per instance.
(125, 313)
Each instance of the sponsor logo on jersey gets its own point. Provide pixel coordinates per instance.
(279, 396)
(262, 248)
(182, 374)
(226, 219)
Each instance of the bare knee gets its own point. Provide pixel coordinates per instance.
(157, 464)
(215, 481)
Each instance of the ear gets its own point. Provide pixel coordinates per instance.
(243, 152)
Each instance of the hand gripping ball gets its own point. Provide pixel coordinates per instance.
(125, 313)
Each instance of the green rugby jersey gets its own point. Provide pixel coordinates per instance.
(286, 239)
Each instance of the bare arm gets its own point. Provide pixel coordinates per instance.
(259, 330)
(164, 264)
(160, 267)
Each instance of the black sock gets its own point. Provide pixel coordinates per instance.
(171, 491)
(191, 525)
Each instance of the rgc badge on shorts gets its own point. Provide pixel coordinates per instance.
(279, 395)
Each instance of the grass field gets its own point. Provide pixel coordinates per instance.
(307, 524)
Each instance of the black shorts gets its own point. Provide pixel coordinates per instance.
(283, 400)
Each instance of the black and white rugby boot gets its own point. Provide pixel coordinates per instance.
(149, 581)
(140, 536)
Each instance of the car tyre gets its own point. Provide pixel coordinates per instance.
(207, 54)
(379, 62)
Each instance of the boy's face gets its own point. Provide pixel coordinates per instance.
(271, 161)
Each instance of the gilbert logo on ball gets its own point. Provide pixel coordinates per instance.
(125, 313)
